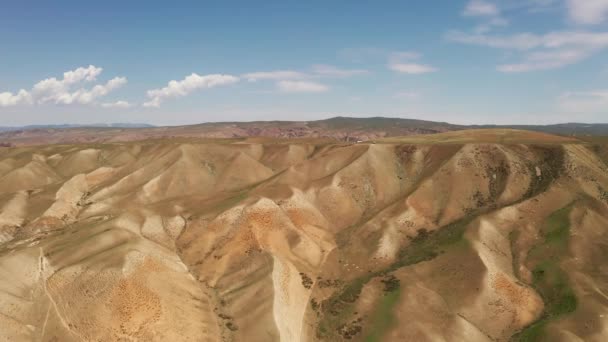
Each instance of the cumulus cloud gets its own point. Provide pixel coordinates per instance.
(8, 99)
(332, 71)
(61, 91)
(117, 104)
(595, 101)
(540, 52)
(276, 75)
(88, 96)
(403, 62)
(588, 11)
(186, 86)
(301, 87)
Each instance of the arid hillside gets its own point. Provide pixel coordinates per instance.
(491, 235)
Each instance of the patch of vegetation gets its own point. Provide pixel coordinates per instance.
(549, 280)
(424, 247)
(532, 333)
(498, 179)
(306, 280)
(231, 326)
(223, 316)
(229, 321)
(551, 165)
(383, 316)
(557, 229)
(603, 194)
(391, 283)
(553, 285)
(350, 330)
(325, 283)
(405, 152)
(421, 235)
(479, 200)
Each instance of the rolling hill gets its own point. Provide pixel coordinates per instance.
(483, 235)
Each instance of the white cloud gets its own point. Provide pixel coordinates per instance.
(479, 8)
(59, 91)
(543, 52)
(276, 75)
(51, 90)
(186, 86)
(88, 74)
(546, 60)
(402, 63)
(318, 70)
(412, 68)
(153, 103)
(301, 87)
(490, 24)
(588, 11)
(595, 101)
(332, 71)
(528, 41)
(117, 104)
(523, 41)
(84, 96)
(8, 99)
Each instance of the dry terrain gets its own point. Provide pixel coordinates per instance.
(343, 129)
(489, 235)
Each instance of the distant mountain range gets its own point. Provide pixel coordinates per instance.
(337, 128)
(572, 128)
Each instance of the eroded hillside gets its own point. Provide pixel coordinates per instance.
(496, 237)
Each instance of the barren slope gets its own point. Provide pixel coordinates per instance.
(493, 235)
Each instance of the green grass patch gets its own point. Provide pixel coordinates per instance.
(532, 333)
(549, 280)
(424, 247)
(383, 316)
(557, 229)
(553, 285)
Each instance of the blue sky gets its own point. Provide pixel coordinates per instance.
(473, 61)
